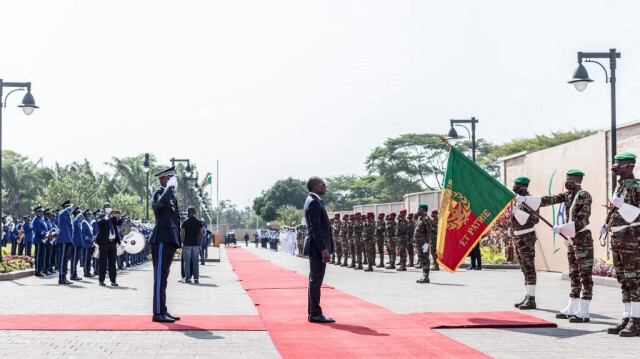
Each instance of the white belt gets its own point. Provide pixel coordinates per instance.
(523, 231)
(619, 228)
(583, 229)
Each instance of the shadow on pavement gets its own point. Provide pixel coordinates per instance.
(591, 315)
(357, 329)
(553, 332)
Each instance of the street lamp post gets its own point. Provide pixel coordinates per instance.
(28, 105)
(581, 79)
(146, 166)
(453, 134)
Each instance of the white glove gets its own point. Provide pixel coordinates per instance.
(556, 229)
(520, 199)
(509, 232)
(514, 209)
(173, 181)
(603, 229)
(568, 242)
(617, 201)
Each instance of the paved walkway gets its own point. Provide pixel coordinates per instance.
(221, 293)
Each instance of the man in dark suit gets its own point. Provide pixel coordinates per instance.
(318, 246)
(164, 241)
(107, 239)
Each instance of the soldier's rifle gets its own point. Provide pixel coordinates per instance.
(612, 209)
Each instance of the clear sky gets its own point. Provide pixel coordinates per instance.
(299, 88)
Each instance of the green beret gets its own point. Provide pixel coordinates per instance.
(625, 156)
(522, 180)
(424, 206)
(575, 173)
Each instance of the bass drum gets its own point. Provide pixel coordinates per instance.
(134, 242)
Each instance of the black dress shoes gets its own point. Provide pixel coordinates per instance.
(76, 278)
(172, 316)
(114, 284)
(64, 281)
(162, 318)
(39, 274)
(471, 268)
(320, 319)
(102, 284)
(89, 275)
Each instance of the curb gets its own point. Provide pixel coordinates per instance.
(17, 274)
(597, 280)
(494, 266)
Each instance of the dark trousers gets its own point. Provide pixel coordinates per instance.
(21, 248)
(39, 257)
(27, 249)
(88, 255)
(106, 261)
(76, 254)
(316, 275)
(46, 258)
(63, 250)
(162, 255)
(476, 259)
(14, 248)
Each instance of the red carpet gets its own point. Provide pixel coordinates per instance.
(128, 322)
(363, 330)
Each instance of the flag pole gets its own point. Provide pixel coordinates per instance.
(542, 218)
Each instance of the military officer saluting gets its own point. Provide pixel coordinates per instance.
(579, 245)
(624, 224)
(164, 240)
(522, 223)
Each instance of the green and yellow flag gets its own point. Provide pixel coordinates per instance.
(471, 201)
(207, 181)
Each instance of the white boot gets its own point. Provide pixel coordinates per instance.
(635, 309)
(582, 316)
(569, 310)
(627, 310)
(531, 290)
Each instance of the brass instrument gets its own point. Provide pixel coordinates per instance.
(20, 234)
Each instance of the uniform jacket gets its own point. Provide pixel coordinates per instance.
(77, 231)
(165, 209)
(579, 209)
(86, 234)
(66, 226)
(319, 236)
(40, 229)
(28, 233)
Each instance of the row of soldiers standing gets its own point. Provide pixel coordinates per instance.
(362, 238)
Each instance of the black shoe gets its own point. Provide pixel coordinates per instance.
(39, 274)
(563, 316)
(64, 281)
(576, 319)
(114, 284)
(471, 268)
(172, 316)
(76, 278)
(187, 281)
(89, 275)
(102, 284)
(320, 319)
(477, 268)
(195, 281)
(162, 318)
(46, 273)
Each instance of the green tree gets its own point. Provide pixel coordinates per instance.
(289, 191)
(289, 215)
(22, 183)
(76, 182)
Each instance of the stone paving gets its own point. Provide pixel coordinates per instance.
(221, 293)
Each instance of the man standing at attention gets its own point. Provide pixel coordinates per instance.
(164, 240)
(317, 246)
(191, 238)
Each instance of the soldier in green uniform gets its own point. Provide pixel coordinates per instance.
(335, 232)
(402, 235)
(344, 238)
(391, 240)
(522, 223)
(299, 239)
(381, 229)
(434, 239)
(624, 224)
(357, 239)
(412, 227)
(368, 237)
(421, 235)
(352, 242)
(579, 245)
